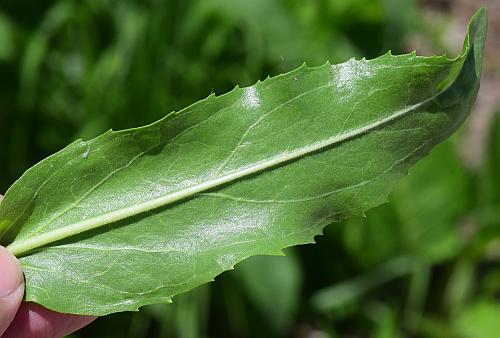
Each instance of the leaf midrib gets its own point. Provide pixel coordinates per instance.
(41, 228)
(28, 244)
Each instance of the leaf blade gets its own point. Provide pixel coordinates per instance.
(220, 202)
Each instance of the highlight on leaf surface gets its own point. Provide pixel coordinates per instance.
(136, 216)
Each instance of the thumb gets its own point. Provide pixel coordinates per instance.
(11, 288)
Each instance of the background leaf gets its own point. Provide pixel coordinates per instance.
(273, 285)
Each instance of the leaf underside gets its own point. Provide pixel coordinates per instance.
(136, 216)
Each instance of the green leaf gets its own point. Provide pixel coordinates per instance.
(479, 320)
(273, 286)
(341, 294)
(134, 217)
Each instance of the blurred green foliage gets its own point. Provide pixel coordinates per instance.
(425, 265)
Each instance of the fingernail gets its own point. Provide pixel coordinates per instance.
(11, 276)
